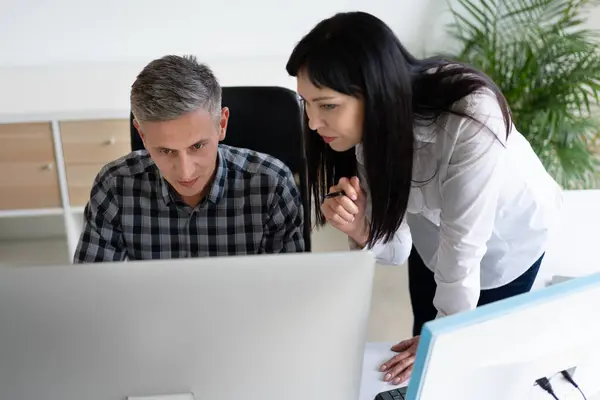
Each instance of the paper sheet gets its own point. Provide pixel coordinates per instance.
(372, 379)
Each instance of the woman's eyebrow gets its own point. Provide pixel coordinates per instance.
(321, 98)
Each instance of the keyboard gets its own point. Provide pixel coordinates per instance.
(396, 394)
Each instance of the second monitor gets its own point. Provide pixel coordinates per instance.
(499, 351)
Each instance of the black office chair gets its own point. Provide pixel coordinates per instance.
(269, 120)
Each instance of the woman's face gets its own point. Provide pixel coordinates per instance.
(336, 117)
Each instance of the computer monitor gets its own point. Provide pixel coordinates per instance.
(260, 327)
(498, 351)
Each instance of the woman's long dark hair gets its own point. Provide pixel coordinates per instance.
(357, 54)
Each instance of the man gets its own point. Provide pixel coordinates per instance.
(186, 195)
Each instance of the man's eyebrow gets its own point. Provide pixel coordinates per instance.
(165, 148)
(203, 141)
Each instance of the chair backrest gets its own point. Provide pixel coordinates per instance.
(268, 120)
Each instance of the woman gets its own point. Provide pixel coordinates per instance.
(422, 162)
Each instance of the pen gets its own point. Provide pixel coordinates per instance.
(334, 194)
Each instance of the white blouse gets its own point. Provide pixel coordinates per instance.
(486, 215)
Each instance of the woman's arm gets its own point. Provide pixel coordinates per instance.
(395, 252)
(469, 194)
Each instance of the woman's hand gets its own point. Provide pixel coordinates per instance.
(399, 368)
(347, 211)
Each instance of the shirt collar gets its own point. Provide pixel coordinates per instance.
(217, 189)
(164, 188)
(426, 131)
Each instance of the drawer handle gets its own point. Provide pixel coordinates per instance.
(110, 141)
(48, 167)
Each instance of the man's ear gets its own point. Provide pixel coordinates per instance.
(137, 128)
(223, 123)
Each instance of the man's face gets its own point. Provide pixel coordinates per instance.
(185, 149)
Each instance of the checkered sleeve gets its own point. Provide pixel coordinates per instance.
(101, 238)
(286, 220)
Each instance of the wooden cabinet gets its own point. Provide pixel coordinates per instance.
(47, 168)
(30, 174)
(94, 141)
(28, 168)
(87, 147)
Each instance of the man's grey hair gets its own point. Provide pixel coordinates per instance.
(171, 86)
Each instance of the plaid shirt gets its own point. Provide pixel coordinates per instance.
(253, 207)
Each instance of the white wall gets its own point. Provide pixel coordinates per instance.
(63, 31)
(77, 55)
(574, 248)
(72, 56)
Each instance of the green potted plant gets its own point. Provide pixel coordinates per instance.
(548, 67)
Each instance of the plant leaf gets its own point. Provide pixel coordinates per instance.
(547, 65)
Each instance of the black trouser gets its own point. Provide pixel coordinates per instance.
(422, 289)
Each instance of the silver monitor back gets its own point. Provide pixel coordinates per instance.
(247, 327)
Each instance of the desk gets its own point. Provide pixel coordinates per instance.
(377, 353)
(372, 383)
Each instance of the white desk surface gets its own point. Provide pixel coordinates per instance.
(372, 383)
(372, 379)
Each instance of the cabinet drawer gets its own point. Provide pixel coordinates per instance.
(26, 142)
(80, 178)
(95, 142)
(29, 185)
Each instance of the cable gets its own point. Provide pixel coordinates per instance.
(569, 378)
(545, 384)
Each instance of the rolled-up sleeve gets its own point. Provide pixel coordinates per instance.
(394, 252)
(469, 192)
